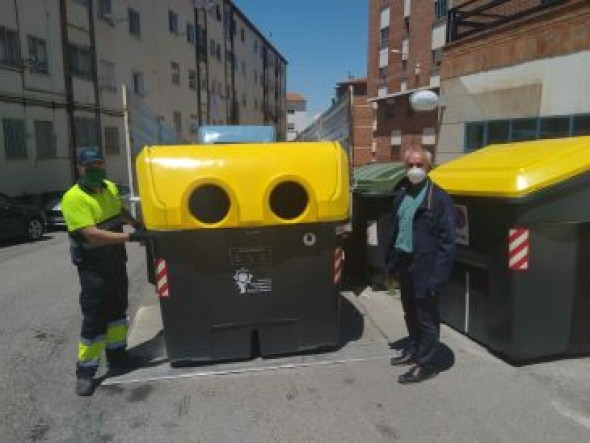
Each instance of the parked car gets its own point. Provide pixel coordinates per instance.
(55, 217)
(20, 221)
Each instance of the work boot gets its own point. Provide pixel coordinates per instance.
(85, 386)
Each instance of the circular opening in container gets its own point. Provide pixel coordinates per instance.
(209, 204)
(288, 200)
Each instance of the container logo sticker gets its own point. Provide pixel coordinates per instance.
(247, 283)
(461, 225)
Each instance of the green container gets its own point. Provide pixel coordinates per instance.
(378, 178)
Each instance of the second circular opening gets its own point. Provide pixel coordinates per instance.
(288, 200)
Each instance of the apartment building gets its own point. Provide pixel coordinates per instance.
(361, 119)
(405, 49)
(514, 70)
(297, 118)
(62, 64)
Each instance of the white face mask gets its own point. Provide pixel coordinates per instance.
(416, 175)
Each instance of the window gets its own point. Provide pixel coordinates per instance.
(436, 59)
(190, 33)
(218, 52)
(581, 125)
(474, 136)
(85, 131)
(138, 86)
(554, 127)
(177, 119)
(38, 55)
(111, 140)
(524, 129)
(14, 138)
(383, 72)
(172, 22)
(291, 126)
(440, 9)
(134, 22)
(242, 34)
(384, 37)
(80, 62)
(175, 73)
(9, 47)
(44, 139)
(192, 79)
(108, 81)
(218, 13)
(291, 111)
(105, 8)
(498, 132)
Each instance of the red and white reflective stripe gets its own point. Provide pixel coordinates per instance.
(338, 261)
(518, 249)
(162, 278)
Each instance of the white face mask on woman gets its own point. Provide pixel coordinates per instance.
(416, 175)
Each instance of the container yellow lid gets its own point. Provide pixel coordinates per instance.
(234, 184)
(516, 169)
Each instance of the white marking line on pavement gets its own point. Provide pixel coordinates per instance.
(245, 370)
(571, 414)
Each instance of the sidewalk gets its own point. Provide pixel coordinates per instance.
(351, 394)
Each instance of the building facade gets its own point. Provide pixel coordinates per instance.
(297, 118)
(405, 50)
(361, 120)
(514, 70)
(62, 64)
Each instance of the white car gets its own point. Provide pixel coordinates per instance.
(55, 217)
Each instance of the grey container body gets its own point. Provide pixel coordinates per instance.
(228, 286)
(540, 312)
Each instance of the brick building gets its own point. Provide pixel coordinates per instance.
(405, 48)
(514, 70)
(361, 124)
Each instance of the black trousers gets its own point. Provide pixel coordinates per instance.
(422, 316)
(103, 299)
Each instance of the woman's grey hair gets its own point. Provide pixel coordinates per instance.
(425, 155)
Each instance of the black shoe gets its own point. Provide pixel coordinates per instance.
(85, 386)
(418, 373)
(405, 358)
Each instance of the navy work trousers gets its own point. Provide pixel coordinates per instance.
(422, 316)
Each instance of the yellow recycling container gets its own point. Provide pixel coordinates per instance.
(245, 245)
(520, 284)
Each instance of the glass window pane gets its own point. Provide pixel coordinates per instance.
(474, 136)
(524, 129)
(554, 127)
(498, 132)
(581, 125)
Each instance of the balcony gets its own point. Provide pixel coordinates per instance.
(477, 16)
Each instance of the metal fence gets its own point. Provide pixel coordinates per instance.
(334, 125)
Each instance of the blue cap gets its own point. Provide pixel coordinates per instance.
(89, 155)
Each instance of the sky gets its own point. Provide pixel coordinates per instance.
(323, 41)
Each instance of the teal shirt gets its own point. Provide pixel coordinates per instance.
(405, 219)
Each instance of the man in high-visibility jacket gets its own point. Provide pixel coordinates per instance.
(94, 217)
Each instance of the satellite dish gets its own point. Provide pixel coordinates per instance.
(424, 101)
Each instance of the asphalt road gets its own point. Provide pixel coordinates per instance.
(478, 399)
